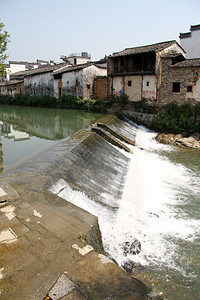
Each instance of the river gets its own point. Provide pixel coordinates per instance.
(159, 205)
(160, 208)
(26, 131)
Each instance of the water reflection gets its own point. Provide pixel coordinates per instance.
(1, 158)
(25, 130)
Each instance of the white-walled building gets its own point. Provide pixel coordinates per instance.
(77, 58)
(190, 42)
(17, 66)
(77, 80)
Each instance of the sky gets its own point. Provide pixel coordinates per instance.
(46, 29)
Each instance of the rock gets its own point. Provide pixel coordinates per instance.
(168, 139)
(189, 142)
(192, 142)
(133, 247)
(128, 266)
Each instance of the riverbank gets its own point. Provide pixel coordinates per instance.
(178, 125)
(51, 247)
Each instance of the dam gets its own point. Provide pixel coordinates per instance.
(106, 213)
(52, 248)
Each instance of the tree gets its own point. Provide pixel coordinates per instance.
(4, 39)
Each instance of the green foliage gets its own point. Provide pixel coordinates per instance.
(121, 99)
(4, 39)
(143, 107)
(179, 118)
(66, 101)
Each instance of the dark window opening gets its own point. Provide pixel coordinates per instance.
(75, 61)
(58, 76)
(60, 92)
(88, 86)
(147, 83)
(129, 83)
(189, 88)
(176, 87)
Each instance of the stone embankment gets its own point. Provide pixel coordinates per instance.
(50, 248)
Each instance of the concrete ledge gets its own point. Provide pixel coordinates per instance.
(108, 137)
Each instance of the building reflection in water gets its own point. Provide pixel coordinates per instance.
(25, 131)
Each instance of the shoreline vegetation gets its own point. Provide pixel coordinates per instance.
(174, 121)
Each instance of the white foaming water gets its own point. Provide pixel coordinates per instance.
(148, 209)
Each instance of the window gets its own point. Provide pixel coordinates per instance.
(88, 86)
(147, 83)
(75, 61)
(129, 83)
(176, 87)
(60, 92)
(189, 88)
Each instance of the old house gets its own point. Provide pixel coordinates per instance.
(180, 82)
(141, 72)
(12, 87)
(17, 66)
(38, 81)
(77, 80)
(77, 58)
(190, 41)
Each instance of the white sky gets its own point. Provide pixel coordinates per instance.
(46, 29)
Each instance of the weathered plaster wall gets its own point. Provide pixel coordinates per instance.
(11, 89)
(135, 87)
(149, 87)
(117, 85)
(39, 84)
(89, 74)
(72, 83)
(134, 92)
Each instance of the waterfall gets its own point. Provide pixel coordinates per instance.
(150, 208)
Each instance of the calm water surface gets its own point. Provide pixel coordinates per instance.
(25, 131)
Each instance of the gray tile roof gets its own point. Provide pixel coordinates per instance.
(143, 49)
(68, 68)
(39, 70)
(11, 82)
(194, 62)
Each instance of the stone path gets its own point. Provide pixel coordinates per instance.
(44, 252)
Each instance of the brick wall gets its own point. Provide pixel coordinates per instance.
(101, 88)
(186, 76)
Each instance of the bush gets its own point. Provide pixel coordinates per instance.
(65, 101)
(179, 118)
(121, 99)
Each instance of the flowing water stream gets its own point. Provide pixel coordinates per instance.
(160, 208)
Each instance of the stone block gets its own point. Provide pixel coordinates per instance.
(62, 287)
